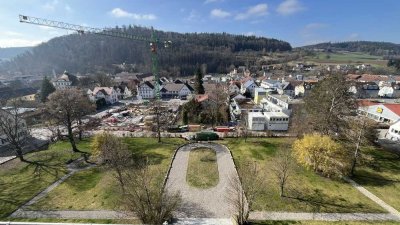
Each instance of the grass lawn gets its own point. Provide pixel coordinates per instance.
(203, 168)
(305, 191)
(18, 181)
(382, 178)
(348, 57)
(97, 188)
(325, 223)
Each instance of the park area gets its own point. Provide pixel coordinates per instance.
(90, 189)
(95, 188)
(310, 192)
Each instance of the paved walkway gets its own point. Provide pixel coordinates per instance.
(374, 198)
(202, 203)
(262, 215)
(73, 214)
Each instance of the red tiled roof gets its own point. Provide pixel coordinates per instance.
(395, 108)
(201, 98)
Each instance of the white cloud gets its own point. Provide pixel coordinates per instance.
(218, 13)
(250, 33)
(354, 37)
(212, 1)
(314, 26)
(254, 11)
(310, 33)
(10, 33)
(50, 6)
(289, 7)
(18, 42)
(120, 13)
(68, 8)
(193, 16)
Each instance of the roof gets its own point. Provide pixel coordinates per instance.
(104, 90)
(248, 83)
(201, 98)
(365, 103)
(173, 87)
(148, 83)
(395, 108)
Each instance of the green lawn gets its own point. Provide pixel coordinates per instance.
(348, 57)
(19, 182)
(326, 223)
(306, 191)
(382, 177)
(97, 188)
(202, 168)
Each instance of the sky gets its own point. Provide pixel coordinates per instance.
(300, 22)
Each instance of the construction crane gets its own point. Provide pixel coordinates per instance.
(152, 41)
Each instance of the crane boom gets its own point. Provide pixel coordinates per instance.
(153, 41)
(81, 29)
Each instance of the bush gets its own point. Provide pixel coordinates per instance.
(206, 136)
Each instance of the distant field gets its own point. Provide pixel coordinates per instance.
(348, 57)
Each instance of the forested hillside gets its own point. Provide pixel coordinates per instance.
(90, 52)
(8, 53)
(373, 48)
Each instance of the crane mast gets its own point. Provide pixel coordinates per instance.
(152, 41)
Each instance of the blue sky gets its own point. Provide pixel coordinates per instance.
(299, 22)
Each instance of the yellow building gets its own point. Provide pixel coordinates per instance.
(259, 94)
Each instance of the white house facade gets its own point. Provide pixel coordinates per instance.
(109, 94)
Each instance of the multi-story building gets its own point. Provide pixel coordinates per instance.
(65, 81)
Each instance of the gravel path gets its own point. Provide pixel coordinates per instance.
(202, 203)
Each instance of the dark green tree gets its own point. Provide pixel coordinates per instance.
(46, 90)
(185, 117)
(198, 86)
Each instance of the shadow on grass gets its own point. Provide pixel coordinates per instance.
(321, 202)
(364, 177)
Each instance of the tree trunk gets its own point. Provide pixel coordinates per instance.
(80, 129)
(281, 189)
(354, 163)
(71, 138)
(19, 154)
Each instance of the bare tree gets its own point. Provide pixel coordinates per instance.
(66, 108)
(162, 119)
(113, 153)
(361, 133)
(282, 167)
(14, 128)
(244, 190)
(145, 197)
(243, 126)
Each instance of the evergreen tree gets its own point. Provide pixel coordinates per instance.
(198, 86)
(46, 90)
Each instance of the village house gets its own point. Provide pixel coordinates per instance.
(146, 90)
(394, 132)
(173, 90)
(247, 87)
(65, 81)
(380, 112)
(109, 94)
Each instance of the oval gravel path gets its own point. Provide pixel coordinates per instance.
(202, 203)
